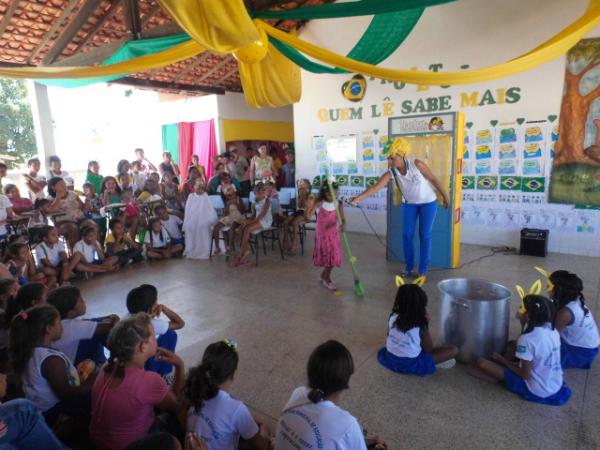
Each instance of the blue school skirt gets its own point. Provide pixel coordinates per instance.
(421, 365)
(516, 384)
(572, 357)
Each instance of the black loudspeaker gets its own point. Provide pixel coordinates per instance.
(534, 242)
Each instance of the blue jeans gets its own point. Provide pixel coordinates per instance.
(426, 214)
(25, 428)
(169, 342)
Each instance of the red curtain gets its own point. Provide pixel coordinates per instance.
(185, 147)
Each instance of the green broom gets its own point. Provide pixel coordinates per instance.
(358, 286)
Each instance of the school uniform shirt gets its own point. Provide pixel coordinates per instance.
(221, 422)
(138, 179)
(74, 330)
(541, 347)
(322, 425)
(33, 196)
(4, 204)
(52, 254)
(173, 226)
(126, 242)
(88, 251)
(36, 386)
(158, 240)
(403, 345)
(582, 331)
(160, 326)
(62, 174)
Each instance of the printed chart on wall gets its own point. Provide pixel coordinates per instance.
(507, 166)
(353, 175)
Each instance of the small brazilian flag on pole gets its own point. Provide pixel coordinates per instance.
(371, 181)
(357, 181)
(317, 181)
(534, 184)
(468, 182)
(487, 183)
(342, 180)
(510, 183)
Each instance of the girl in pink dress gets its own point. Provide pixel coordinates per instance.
(327, 252)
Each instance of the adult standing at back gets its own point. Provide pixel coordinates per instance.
(145, 164)
(241, 166)
(418, 186)
(262, 166)
(168, 166)
(56, 168)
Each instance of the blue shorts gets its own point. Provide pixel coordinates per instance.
(178, 241)
(572, 357)
(421, 365)
(97, 262)
(516, 384)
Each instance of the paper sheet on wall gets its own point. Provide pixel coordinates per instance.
(585, 222)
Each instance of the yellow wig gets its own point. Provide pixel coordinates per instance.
(397, 147)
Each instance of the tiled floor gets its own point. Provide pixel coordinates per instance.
(278, 313)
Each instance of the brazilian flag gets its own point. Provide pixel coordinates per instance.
(510, 183)
(317, 181)
(357, 181)
(342, 180)
(371, 181)
(487, 183)
(534, 184)
(468, 182)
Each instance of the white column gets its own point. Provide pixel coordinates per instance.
(42, 122)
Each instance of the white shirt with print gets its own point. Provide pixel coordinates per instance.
(4, 204)
(74, 330)
(403, 345)
(173, 226)
(52, 254)
(157, 240)
(582, 331)
(87, 250)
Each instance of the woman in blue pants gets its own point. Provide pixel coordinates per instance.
(419, 200)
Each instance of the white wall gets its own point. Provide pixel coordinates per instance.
(470, 32)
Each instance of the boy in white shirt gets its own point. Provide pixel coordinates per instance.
(81, 338)
(52, 255)
(6, 212)
(171, 223)
(158, 243)
(144, 298)
(88, 255)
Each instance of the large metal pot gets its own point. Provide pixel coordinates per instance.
(474, 316)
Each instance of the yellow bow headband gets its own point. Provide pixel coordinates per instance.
(536, 289)
(419, 281)
(546, 274)
(396, 147)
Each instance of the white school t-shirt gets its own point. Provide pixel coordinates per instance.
(403, 345)
(221, 422)
(74, 330)
(52, 254)
(4, 204)
(161, 326)
(157, 242)
(541, 347)
(323, 425)
(582, 331)
(173, 226)
(88, 251)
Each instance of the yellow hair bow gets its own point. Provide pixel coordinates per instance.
(536, 289)
(396, 147)
(419, 281)
(546, 274)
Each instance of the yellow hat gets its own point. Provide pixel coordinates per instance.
(396, 147)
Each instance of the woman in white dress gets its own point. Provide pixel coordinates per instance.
(200, 216)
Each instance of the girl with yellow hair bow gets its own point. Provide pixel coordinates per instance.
(418, 186)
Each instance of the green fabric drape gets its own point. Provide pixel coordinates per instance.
(350, 9)
(170, 140)
(129, 50)
(383, 36)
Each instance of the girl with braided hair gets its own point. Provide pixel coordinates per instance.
(579, 338)
(124, 396)
(409, 347)
(214, 415)
(537, 376)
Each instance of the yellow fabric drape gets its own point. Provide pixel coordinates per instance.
(554, 47)
(153, 61)
(256, 130)
(225, 26)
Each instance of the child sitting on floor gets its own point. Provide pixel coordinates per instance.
(125, 396)
(52, 255)
(538, 376)
(119, 244)
(144, 299)
(579, 337)
(81, 338)
(214, 415)
(20, 264)
(409, 348)
(49, 378)
(232, 218)
(158, 243)
(171, 224)
(88, 255)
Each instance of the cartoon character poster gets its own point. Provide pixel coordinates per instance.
(576, 169)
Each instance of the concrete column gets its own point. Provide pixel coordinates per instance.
(42, 122)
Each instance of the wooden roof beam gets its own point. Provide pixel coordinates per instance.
(218, 66)
(132, 14)
(226, 76)
(137, 82)
(199, 60)
(109, 14)
(8, 15)
(71, 30)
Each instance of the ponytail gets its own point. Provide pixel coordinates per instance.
(27, 330)
(219, 363)
(123, 339)
(330, 367)
(539, 310)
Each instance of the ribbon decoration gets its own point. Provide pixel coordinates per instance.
(535, 289)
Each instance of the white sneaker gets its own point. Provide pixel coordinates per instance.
(446, 364)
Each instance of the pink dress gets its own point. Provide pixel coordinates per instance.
(328, 248)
